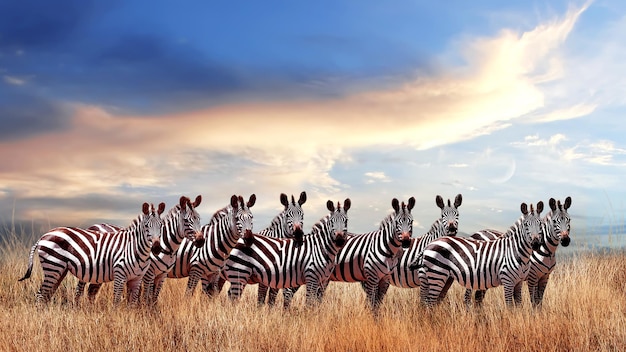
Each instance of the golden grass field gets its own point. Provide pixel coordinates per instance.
(584, 310)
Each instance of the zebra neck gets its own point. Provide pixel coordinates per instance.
(388, 236)
(276, 228)
(550, 237)
(436, 231)
(172, 233)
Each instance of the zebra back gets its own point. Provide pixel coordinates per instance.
(446, 225)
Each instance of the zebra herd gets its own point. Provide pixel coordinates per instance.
(175, 245)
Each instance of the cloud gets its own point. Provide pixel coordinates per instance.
(374, 177)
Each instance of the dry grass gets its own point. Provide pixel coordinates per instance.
(584, 310)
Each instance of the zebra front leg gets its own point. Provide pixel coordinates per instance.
(312, 294)
(192, 282)
(235, 290)
(540, 289)
(288, 296)
(118, 288)
(80, 290)
(158, 285)
(467, 298)
(92, 291)
(133, 288)
(517, 293)
(271, 297)
(261, 294)
(479, 296)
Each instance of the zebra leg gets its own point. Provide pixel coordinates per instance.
(288, 296)
(235, 290)
(133, 288)
(467, 298)
(148, 287)
(479, 296)
(119, 280)
(271, 297)
(80, 290)
(444, 290)
(517, 293)
(51, 281)
(261, 294)
(158, 285)
(383, 286)
(371, 285)
(312, 293)
(540, 290)
(194, 277)
(92, 291)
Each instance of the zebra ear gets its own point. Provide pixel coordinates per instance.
(458, 200)
(302, 199)
(539, 207)
(568, 203)
(330, 206)
(524, 208)
(346, 204)
(197, 201)
(439, 201)
(284, 200)
(552, 204)
(145, 209)
(251, 201)
(411, 203)
(161, 208)
(396, 205)
(234, 202)
(183, 202)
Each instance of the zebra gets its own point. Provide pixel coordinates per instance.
(97, 257)
(543, 260)
(284, 263)
(367, 257)
(287, 224)
(480, 264)
(446, 225)
(180, 222)
(225, 228)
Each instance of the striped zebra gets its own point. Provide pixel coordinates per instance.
(368, 257)
(182, 221)
(480, 264)
(446, 225)
(225, 228)
(556, 230)
(284, 263)
(97, 257)
(287, 224)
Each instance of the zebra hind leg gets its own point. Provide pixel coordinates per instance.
(92, 291)
(80, 290)
(288, 296)
(51, 281)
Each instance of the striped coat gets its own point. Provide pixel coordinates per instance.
(222, 232)
(556, 228)
(479, 264)
(97, 257)
(284, 263)
(446, 225)
(368, 257)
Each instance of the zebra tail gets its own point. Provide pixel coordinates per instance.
(30, 262)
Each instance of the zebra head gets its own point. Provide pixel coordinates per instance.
(293, 215)
(449, 214)
(560, 220)
(189, 220)
(403, 220)
(531, 229)
(337, 222)
(150, 226)
(243, 217)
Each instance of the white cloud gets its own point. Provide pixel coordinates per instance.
(379, 176)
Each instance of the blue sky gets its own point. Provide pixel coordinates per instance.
(106, 105)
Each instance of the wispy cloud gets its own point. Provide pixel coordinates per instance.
(373, 177)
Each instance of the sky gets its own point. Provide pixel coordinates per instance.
(106, 105)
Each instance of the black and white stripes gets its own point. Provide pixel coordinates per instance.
(283, 263)
(96, 257)
(479, 264)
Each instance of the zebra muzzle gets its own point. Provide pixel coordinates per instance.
(565, 241)
(198, 240)
(156, 248)
(248, 238)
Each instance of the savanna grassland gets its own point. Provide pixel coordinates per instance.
(584, 310)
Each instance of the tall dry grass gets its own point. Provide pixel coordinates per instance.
(584, 310)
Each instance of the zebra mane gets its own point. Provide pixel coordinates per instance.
(435, 229)
(386, 221)
(276, 223)
(220, 213)
(174, 210)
